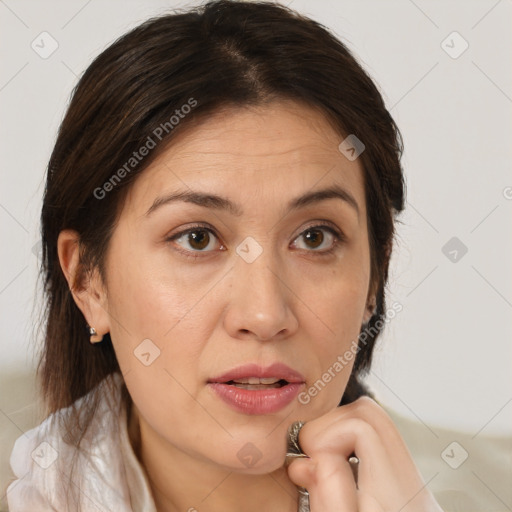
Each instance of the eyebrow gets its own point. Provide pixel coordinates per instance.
(217, 202)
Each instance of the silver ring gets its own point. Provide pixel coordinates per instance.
(294, 451)
(293, 437)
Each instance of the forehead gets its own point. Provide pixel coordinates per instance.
(278, 150)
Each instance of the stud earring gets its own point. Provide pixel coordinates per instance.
(95, 337)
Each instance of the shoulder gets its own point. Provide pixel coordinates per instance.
(44, 457)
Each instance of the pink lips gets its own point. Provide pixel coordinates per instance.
(277, 370)
(258, 401)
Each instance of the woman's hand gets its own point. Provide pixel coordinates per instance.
(388, 479)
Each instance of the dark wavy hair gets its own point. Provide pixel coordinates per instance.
(221, 54)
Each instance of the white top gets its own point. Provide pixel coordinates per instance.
(107, 475)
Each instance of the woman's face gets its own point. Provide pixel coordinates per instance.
(262, 277)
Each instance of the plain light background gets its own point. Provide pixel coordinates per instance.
(446, 358)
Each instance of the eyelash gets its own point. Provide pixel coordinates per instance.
(338, 238)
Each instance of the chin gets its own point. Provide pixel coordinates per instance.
(251, 460)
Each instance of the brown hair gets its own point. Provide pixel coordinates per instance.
(222, 54)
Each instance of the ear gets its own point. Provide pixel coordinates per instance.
(369, 309)
(371, 302)
(87, 290)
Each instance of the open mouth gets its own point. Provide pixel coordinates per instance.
(257, 395)
(258, 383)
(254, 389)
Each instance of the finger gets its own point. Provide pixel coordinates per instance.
(367, 503)
(329, 482)
(370, 411)
(302, 472)
(401, 463)
(343, 437)
(347, 436)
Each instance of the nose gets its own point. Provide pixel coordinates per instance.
(260, 302)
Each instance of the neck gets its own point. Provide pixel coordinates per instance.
(180, 482)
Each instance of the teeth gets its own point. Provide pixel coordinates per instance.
(257, 380)
(258, 387)
(269, 380)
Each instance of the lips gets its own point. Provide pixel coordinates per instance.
(249, 372)
(252, 389)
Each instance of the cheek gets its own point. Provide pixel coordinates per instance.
(338, 292)
(152, 310)
(338, 299)
(162, 316)
(158, 329)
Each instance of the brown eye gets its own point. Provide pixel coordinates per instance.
(321, 239)
(196, 240)
(313, 238)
